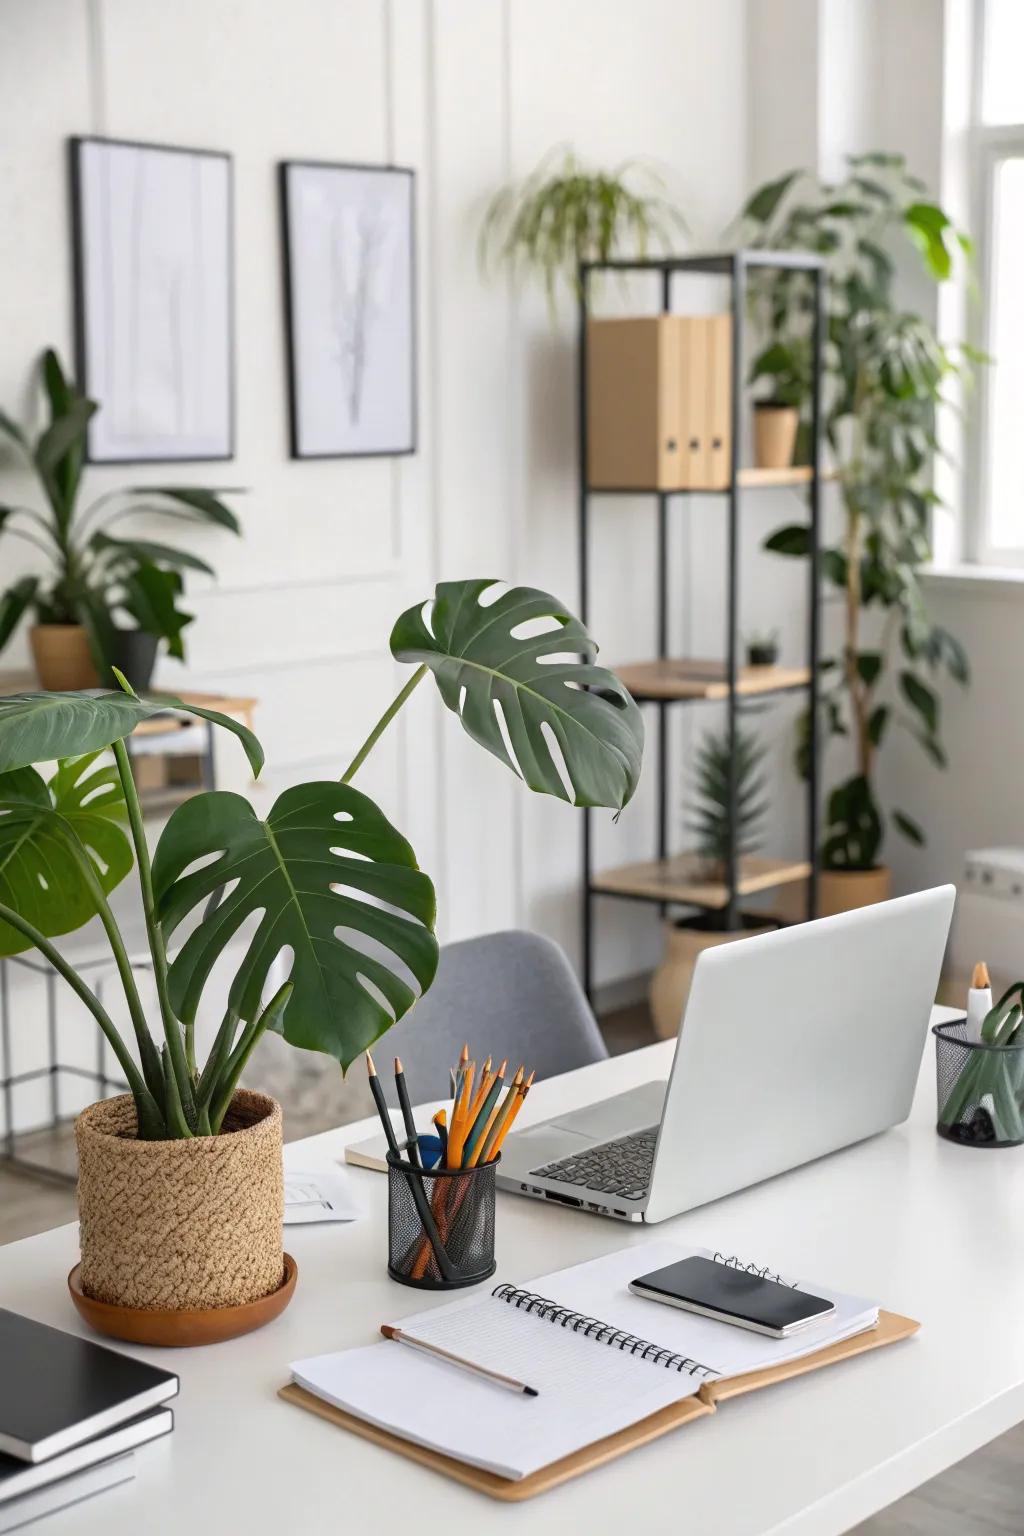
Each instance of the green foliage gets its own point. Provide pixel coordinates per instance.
(38, 727)
(558, 218)
(489, 656)
(46, 829)
(710, 817)
(885, 375)
(93, 577)
(332, 883)
(325, 862)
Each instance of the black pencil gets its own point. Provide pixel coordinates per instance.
(381, 1103)
(407, 1116)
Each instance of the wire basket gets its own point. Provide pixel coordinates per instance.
(980, 1089)
(440, 1224)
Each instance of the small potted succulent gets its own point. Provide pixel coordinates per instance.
(104, 598)
(180, 1179)
(762, 648)
(710, 819)
(787, 368)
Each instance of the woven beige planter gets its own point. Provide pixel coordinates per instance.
(181, 1225)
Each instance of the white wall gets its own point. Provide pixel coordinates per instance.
(301, 610)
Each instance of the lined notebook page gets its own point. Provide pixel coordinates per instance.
(600, 1288)
(587, 1390)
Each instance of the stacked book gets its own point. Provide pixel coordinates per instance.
(71, 1415)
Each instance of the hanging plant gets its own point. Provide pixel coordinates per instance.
(564, 214)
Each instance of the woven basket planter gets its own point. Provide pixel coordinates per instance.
(181, 1225)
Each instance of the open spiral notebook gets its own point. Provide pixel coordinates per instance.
(604, 1362)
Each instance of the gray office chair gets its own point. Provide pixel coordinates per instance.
(508, 994)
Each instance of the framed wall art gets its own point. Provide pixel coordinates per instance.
(153, 299)
(349, 272)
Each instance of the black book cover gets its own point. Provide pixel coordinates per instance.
(57, 1390)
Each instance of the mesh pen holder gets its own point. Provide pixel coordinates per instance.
(440, 1225)
(980, 1089)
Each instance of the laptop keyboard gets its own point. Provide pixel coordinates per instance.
(620, 1167)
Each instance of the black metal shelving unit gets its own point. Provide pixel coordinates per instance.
(733, 265)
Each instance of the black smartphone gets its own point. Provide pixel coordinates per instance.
(733, 1296)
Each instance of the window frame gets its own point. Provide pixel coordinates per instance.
(990, 146)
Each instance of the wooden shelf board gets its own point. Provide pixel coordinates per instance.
(670, 680)
(681, 879)
(748, 478)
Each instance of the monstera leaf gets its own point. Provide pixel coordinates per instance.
(35, 727)
(325, 866)
(41, 828)
(489, 656)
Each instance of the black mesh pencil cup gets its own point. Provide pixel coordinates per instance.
(980, 1089)
(440, 1224)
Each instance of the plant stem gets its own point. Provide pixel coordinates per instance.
(243, 1050)
(150, 1117)
(147, 1050)
(157, 948)
(382, 725)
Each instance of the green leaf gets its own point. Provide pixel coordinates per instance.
(13, 604)
(481, 659)
(762, 204)
(58, 455)
(835, 566)
(120, 551)
(877, 721)
(40, 827)
(869, 665)
(921, 698)
(926, 225)
(326, 867)
(150, 596)
(206, 506)
(910, 829)
(795, 539)
(37, 727)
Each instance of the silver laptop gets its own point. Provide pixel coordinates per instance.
(792, 1044)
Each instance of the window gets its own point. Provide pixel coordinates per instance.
(998, 135)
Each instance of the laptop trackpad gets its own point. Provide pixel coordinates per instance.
(634, 1110)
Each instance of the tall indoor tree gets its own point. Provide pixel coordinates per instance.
(886, 373)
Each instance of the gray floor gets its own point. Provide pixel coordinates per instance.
(981, 1496)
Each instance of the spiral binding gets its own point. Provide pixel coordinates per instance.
(602, 1333)
(732, 1262)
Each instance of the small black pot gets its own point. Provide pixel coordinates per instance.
(763, 655)
(133, 652)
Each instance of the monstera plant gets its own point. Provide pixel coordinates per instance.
(332, 881)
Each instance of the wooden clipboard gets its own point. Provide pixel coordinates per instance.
(890, 1329)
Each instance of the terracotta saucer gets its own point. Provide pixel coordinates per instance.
(178, 1330)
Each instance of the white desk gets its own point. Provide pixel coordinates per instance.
(931, 1229)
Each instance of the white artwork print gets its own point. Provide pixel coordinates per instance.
(155, 295)
(349, 234)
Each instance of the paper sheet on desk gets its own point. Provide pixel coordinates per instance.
(325, 1195)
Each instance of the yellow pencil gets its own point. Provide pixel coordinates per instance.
(494, 1133)
(508, 1120)
(460, 1119)
(484, 1088)
(481, 1140)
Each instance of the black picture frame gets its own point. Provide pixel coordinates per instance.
(90, 373)
(405, 443)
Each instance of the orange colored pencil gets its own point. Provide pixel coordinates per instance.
(486, 1079)
(491, 1139)
(509, 1119)
(481, 1140)
(461, 1122)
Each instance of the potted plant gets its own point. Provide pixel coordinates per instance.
(762, 648)
(564, 214)
(787, 368)
(160, 1166)
(94, 576)
(885, 373)
(711, 820)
